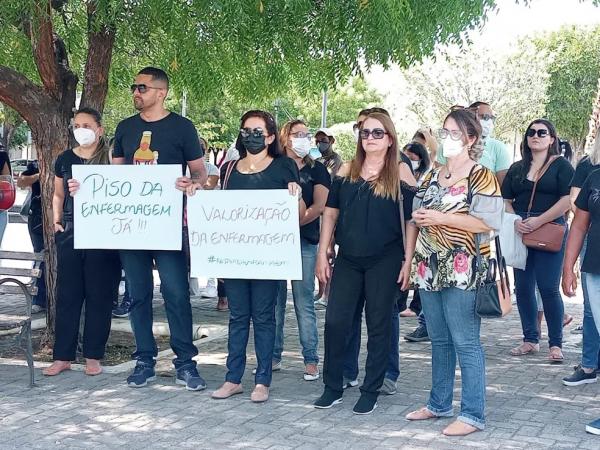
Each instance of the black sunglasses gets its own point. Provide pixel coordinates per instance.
(142, 88)
(540, 133)
(247, 132)
(377, 133)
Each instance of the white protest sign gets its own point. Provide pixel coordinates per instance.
(249, 234)
(128, 207)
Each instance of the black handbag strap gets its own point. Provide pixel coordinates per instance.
(496, 264)
(538, 176)
(402, 223)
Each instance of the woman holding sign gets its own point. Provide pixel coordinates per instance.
(90, 276)
(315, 182)
(365, 211)
(261, 166)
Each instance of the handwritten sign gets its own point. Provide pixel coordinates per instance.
(251, 234)
(128, 207)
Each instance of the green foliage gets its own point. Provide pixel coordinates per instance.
(345, 145)
(574, 55)
(513, 84)
(247, 49)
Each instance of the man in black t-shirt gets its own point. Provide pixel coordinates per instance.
(157, 136)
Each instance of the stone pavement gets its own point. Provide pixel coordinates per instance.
(527, 406)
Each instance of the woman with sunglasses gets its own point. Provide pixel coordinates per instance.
(550, 203)
(457, 207)
(363, 209)
(261, 166)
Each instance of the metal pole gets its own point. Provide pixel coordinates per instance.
(184, 103)
(324, 109)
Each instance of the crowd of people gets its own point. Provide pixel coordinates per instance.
(398, 217)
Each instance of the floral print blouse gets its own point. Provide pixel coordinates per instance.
(445, 256)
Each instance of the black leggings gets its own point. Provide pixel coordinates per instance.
(84, 275)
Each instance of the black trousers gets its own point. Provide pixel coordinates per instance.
(90, 276)
(415, 304)
(358, 281)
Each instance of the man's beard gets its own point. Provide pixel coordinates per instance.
(138, 104)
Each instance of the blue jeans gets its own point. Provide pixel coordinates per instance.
(453, 327)
(172, 268)
(543, 269)
(591, 338)
(592, 281)
(251, 299)
(303, 293)
(3, 224)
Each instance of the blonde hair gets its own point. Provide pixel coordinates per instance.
(386, 184)
(284, 137)
(595, 152)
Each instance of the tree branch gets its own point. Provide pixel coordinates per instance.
(42, 43)
(22, 95)
(101, 39)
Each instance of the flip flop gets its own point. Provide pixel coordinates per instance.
(556, 355)
(525, 348)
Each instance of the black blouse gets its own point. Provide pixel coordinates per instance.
(553, 185)
(367, 224)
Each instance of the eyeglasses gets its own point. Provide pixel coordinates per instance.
(323, 141)
(141, 88)
(301, 134)
(377, 133)
(540, 133)
(455, 135)
(247, 132)
(487, 117)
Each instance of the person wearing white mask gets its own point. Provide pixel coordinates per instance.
(90, 276)
(495, 154)
(315, 182)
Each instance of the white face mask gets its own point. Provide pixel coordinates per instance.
(487, 127)
(415, 164)
(451, 147)
(301, 146)
(84, 136)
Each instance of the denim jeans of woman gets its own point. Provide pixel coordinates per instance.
(592, 281)
(591, 338)
(544, 270)
(453, 326)
(303, 293)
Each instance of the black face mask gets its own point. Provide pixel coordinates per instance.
(324, 148)
(254, 144)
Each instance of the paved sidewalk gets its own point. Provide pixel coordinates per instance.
(527, 407)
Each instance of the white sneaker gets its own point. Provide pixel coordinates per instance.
(321, 304)
(311, 376)
(350, 383)
(208, 292)
(36, 309)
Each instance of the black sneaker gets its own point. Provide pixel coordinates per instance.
(418, 335)
(579, 377)
(366, 404)
(123, 309)
(328, 399)
(141, 375)
(190, 378)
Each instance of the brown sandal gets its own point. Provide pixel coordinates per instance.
(525, 348)
(556, 355)
(56, 367)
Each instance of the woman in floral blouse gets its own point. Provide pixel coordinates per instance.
(455, 203)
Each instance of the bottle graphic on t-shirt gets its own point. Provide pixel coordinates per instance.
(144, 155)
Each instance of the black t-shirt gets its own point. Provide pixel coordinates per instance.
(553, 185)
(583, 169)
(309, 178)
(589, 200)
(367, 224)
(36, 190)
(4, 160)
(276, 175)
(63, 169)
(171, 140)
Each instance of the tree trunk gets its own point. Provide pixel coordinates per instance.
(7, 133)
(51, 137)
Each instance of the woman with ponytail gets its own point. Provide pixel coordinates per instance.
(90, 276)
